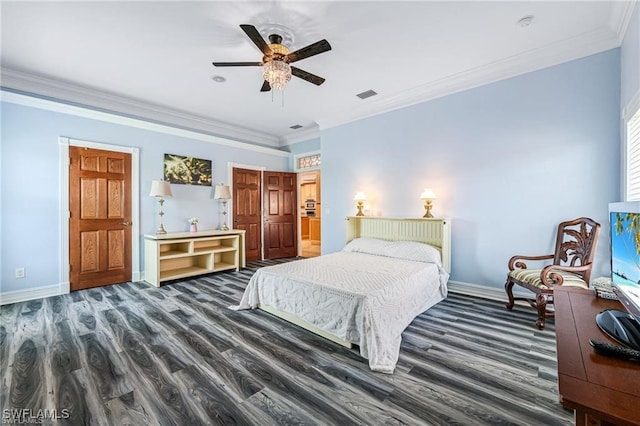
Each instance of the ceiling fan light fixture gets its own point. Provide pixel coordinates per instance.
(279, 49)
(276, 59)
(277, 73)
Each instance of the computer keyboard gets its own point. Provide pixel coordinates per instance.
(607, 349)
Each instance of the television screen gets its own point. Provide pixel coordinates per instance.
(624, 248)
(625, 253)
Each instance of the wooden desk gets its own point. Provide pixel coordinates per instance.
(602, 390)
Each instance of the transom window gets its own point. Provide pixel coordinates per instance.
(308, 162)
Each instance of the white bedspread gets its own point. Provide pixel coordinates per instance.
(365, 299)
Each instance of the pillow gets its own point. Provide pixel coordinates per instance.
(413, 250)
(408, 250)
(367, 245)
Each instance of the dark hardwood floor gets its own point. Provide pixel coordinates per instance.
(133, 354)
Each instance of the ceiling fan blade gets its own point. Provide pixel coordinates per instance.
(265, 86)
(311, 78)
(310, 50)
(237, 64)
(257, 39)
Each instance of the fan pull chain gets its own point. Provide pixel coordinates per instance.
(281, 98)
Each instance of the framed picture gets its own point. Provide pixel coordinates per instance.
(187, 170)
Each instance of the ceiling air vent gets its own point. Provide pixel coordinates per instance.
(296, 127)
(367, 94)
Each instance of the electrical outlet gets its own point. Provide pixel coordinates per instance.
(19, 272)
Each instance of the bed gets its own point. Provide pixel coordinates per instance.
(390, 271)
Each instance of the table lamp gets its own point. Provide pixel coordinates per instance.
(223, 193)
(427, 196)
(360, 198)
(160, 189)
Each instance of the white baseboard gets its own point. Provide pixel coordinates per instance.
(482, 291)
(48, 291)
(34, 293)
(475, 290)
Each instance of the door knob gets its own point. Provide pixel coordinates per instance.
(126, 223)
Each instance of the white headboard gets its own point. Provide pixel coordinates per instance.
(435, 232)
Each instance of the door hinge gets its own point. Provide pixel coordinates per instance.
(69, 267)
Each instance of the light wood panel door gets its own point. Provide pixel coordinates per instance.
(247, 211)
(100, 217)
(280, 236)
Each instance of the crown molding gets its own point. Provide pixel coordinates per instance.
(79, 111)
(577, 47)
(108, 102)
(621, 14)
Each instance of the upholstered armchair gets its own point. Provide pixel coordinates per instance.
(569, 265)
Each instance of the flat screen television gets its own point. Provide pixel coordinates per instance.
(624, 222)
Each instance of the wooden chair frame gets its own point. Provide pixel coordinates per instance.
(576, 242)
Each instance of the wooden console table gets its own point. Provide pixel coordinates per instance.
(185, 254)
(602, 390)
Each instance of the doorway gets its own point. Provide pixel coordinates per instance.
(280, 218)
(310, 213)
(264, 205)
(99, 248)
(247, 210)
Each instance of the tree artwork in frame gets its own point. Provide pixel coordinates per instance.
(187, 170)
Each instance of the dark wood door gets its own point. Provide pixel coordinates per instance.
(100, 217)
(281, 208)
(247, 213)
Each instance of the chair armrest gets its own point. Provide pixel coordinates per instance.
(515, 261)
(550, 278)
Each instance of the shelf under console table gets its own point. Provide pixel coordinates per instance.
(186, 254)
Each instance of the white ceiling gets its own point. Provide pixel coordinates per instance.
(152, 59)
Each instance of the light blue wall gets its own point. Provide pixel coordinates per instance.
(508, 161)
(30, 184)
(630, 59)
(311, 145)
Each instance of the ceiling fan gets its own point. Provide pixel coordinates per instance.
(275, 62)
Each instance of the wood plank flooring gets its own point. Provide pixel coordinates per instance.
(176, 355)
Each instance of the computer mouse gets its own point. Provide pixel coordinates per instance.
(620, 326)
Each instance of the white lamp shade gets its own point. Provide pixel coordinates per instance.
(360, 196)
(223, 192)
(428, 194)
(160, 188)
